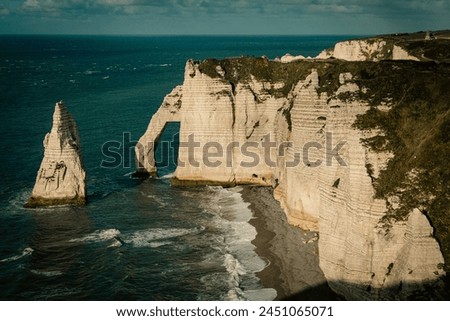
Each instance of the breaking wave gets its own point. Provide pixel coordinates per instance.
(26, 252)
(46, 273)
(235, 271)
(167, 176)
(158, 199)
(20, 198)
(230, 216)
(157, 237)
(98, 236)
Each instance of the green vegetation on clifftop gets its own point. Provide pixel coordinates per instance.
(416, 129)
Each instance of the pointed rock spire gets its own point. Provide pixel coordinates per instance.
(61, 179)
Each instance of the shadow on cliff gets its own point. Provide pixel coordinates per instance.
(321, 292)
(410, 291)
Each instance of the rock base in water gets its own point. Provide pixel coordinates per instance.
(44, 202)
(61, 178)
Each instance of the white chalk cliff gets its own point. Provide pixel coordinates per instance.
(367, 50)
(61, 177)
(290, 58)
(360, 258)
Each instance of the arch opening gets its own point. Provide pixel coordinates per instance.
(166, 149)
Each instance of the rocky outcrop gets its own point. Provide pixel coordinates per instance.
(145, 148)
(392, 47)
(398, 53)
(361, 50)
(289, 58)
(205, 107)
(252, 121)
(374, 49)
(61, 176)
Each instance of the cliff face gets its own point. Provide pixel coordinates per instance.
(292, 126)
(367, 50)
(417, 47)
(61, 176)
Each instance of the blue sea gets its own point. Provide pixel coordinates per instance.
(134, 240)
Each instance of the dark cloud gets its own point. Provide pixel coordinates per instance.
(235, 6)
(4, 11)
(255, 16)
(90, 7)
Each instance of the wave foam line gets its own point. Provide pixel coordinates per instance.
(27, 251)
(99, 235)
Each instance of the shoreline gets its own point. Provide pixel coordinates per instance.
(293, 269)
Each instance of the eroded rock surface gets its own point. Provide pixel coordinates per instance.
(61, 176)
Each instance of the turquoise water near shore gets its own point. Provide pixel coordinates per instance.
(135, 240)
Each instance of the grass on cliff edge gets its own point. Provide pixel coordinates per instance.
(416, 129)
(241, 70)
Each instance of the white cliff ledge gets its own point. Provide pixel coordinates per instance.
(249, 101)
(61, 177)
(417, 47)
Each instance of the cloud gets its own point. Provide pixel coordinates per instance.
(52, 6)
(90, 7)
(335, 8)
(4, 11)
(139, 7)
(238, 7)
(226, 16)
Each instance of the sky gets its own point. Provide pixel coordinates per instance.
(222, 17)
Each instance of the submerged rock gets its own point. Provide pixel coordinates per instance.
(61, 178)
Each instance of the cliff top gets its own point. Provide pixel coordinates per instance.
(431, 48)
(425, 45)
(418, 36)
(243, 69)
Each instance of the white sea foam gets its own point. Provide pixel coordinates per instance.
(147, 238)
(92, 72)
(20, 198)
(235, 294)
(231, 216)
(235, 271)
(46, 273)
(167, 176)
(157, 65)
(99, 235)
(116, 243)
(234, 268)
(158, 199)
(27, 251)
(160, 243)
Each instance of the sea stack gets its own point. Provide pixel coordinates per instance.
(61, 178)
